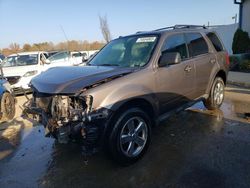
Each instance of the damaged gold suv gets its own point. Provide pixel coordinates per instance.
(133, 83)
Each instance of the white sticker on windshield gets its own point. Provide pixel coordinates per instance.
(146, 39)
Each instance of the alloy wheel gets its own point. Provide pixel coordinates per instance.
(133, 137)
(218, 93)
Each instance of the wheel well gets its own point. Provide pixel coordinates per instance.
(142, 103)
(137, 102)
(222, 74)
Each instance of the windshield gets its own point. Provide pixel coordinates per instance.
(20, 60)
(134, 51)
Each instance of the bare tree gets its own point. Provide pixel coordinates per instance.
(105, 28)
(14, 47)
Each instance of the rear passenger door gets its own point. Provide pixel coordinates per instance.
(203, 61)
(175, 83)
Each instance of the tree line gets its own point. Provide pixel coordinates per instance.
(72, 45)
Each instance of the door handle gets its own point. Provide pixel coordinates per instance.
(188, 68)
(212, 61)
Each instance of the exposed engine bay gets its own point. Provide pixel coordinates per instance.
(65, 109)
(68, 118)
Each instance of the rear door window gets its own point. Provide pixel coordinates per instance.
(176, 43)
(196, 44)
(59, 56)
(76, 54)
(215, 41)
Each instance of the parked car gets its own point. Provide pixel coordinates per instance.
(7, 99)
(90, 53)
(67, 58)
(50, 53)
(2, 57)
(20, 68)
(133, 83)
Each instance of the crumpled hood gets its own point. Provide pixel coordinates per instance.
(72, 79)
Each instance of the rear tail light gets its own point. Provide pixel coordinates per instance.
(227, 59)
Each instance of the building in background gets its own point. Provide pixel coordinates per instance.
(226, 33)
(244, 14)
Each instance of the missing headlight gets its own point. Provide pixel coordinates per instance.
(65, 108)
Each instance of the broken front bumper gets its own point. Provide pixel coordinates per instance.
(89, 131)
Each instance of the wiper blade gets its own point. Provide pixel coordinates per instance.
(107, 64)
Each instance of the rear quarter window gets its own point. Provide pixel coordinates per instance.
(215, 41)
(196, 44)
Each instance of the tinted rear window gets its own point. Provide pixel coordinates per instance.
(196, 44)
(215, 41)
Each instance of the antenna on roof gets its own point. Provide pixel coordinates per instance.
(65, 36)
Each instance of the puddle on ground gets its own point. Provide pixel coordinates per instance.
(231, 109)
(31, 159)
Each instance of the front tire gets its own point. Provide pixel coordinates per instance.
(7, 107)
(216, 95)
(130, 136)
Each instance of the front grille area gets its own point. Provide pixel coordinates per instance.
(13, 79)
(19, 91)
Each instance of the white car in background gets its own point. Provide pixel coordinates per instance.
(20, 68)
(90, 53)
(66, 58)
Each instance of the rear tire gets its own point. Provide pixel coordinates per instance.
(7, 107)
(130, 136)
(216, 95)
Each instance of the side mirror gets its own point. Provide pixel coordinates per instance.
(84, 59)
(169, 58)
(47, 61)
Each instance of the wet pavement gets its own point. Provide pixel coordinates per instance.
(194, 148)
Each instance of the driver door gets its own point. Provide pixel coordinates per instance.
(175, 83)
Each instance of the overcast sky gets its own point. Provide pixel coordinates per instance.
(33, 21)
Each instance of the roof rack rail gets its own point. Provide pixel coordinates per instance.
(178, 27)
(165, 28)
(140, 32)
(190, 26)
(182, 27)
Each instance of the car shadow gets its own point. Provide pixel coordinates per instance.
(10, 134)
